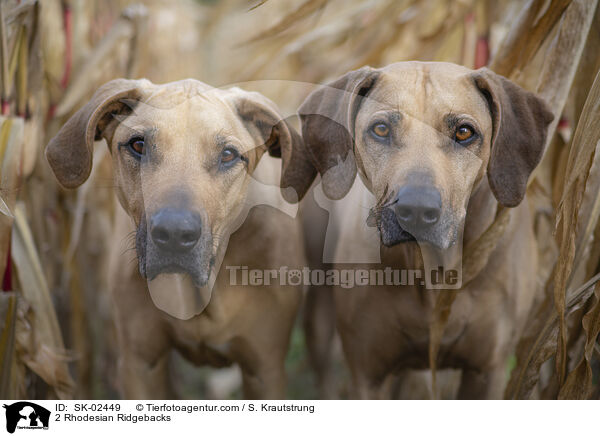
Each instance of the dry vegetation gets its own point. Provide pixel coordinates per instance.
(56, 335)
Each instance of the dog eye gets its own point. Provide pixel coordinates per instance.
(381, 130)
(229, 155)
(136, 145)
(464, 134)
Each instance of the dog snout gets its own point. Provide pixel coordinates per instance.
(418, 207)
(175, 230)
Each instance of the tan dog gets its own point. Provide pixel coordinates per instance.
(183, 155)
(437, 147)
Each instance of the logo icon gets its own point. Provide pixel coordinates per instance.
(26, 415)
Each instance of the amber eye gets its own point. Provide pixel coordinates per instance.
(229, 155)
(381, 129)
(464, 133)
(136, 145)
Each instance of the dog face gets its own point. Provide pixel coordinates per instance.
(183, 154)
(183, 171)
(422, 135)
(421, 149)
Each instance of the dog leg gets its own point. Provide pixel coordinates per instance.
(143, 362)
(143, 380)
(483, 384)
(371, 370)
(143, 343)
(373, 389)
(264, 383)
(263, 372)
(261, 356)
(319, 329)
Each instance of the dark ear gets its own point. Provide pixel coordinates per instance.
(70, 152)
(520, 122)
(328, 115)
(280, 139)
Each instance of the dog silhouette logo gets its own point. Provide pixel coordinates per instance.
(26, 415)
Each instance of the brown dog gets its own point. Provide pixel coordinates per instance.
(183, 158)
(437, 148)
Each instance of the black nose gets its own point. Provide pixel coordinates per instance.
(418, 207)
(175, 230)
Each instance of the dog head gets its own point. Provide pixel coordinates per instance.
(422, 135)
(183, 154)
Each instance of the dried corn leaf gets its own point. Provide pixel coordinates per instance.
(584, 150)
(22, 73)
(11, 140)
(8, 310)
(259, 4)
(19, 11)
(536, 20)
(41, 346)
(539, 342)
(557, 76)
(304, 10)
(53, 45)
(4, 209)
(555, 82)
(4, 56)
(578, 385)
(14, 57)
(563, 271)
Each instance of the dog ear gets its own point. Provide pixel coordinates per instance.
(70, 152)
(281, 140)
(328, 115)
(520, 122)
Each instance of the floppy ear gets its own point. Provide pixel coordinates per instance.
(70, 152)
(520, 122)
(281, 140)
(328, 115)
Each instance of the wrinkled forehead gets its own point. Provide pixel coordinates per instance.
(428, 91)
(174, 116)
